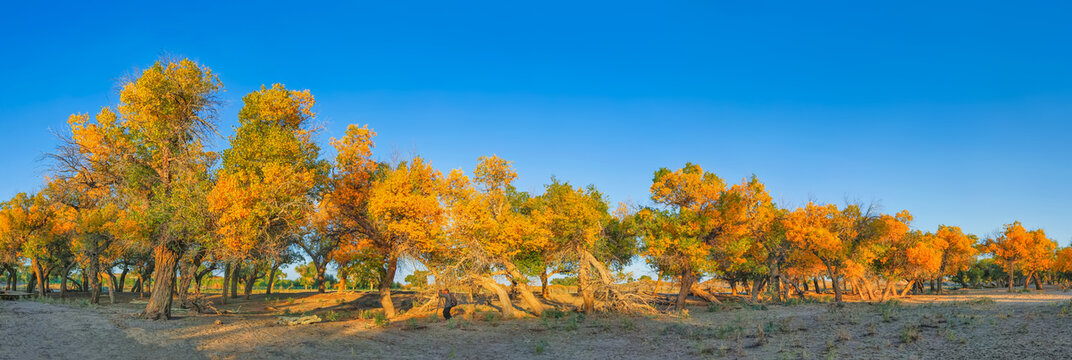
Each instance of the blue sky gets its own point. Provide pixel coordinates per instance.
(958, 112)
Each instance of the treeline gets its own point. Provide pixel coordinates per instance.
(134, 188)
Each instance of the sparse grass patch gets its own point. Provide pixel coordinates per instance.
(539, 347)
(909, 334)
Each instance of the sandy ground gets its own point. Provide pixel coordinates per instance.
(970, 324)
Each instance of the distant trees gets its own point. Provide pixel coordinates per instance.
(134, 191)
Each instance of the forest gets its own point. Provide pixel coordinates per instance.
(132, 192)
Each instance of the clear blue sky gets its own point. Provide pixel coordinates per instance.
(959, 112)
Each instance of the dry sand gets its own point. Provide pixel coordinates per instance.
(1001, 326)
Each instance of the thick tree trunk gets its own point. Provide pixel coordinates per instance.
(159, 306)
(585, 287)
(683, 290)
(94, 286)
(63, 281)
(42, 280)
(1038, 283)
(733, 287)
(523, 287)
(321, 286)
(386, 279)
(757, 286)
(123, 278)
(111, 288)
(543, 284)
(500, 291)
(834, 282)
(186, 275)
(907, 288)
(271, 277)
(31, 282)
(251, 279)
(659, 283)
(701, 292)
(226, 282)
(236, 276)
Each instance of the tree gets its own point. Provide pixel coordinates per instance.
(822, 230)
(958, 251)
(679, 237)
(166, 112)
(574, 220)
(1018, 249)
(491, 219)
(269, 179)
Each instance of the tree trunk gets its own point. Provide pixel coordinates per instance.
(701, 292)
(63, 281)
(42, 281)
(1012, 269)
(122, 279)
(271, 277)
(834, 283)
(111, 288)
(31, 282)
(543, 284)
(907, 288)
(733, 287)
(94, 286)
(159, 306)
(186, 276)
(386, 279)
(320, 269)
(659, 283)
(1038, 283)
(589, 301)
(504, 297)
(236, 276)
(683, 290)
(251, 279)
(523, 287)
(226, 282)
(757, 285)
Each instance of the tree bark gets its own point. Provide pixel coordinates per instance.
(683, 290)
(701, 292)
(94, 286)
(111, 288)
(504, 297)
(386, 279)
(251, 280)
(236, 276)
(271, 277)
(42, 281)
(543, 284)
(123, 278)
(63, 281)
(584, 285)
(321, 267)
(659, 283)
(226, 282)
(159, 306)
(523, 287)
(834, 283)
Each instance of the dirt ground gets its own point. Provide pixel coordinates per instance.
(988, 324)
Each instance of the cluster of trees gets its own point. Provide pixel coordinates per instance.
(133, 188)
